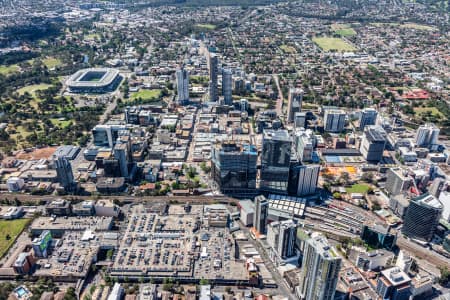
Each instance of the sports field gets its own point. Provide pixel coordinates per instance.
(333, 44)
(343, 29)
(146, 95)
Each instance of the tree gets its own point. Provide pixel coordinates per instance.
(444, 279)
(191, 172)
(345, 177)
(109, 254)
(337, 195)
(376, 205)
(367, 176)
(70, 294)
(167, 284)
(205, 168)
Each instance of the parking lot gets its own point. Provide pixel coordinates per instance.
(216, 259)
(70, 256)
(175, 244)
(156, 244)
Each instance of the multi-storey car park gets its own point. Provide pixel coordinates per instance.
(185, 243)
(94, 80)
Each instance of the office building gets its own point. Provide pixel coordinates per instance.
(427, 135)
(422, 286)
(368, 117)
(59, 207)
(247, 211)
(404, 261)
(422, 217)
(281, 238)
(213, 64)
(320, 270)
(373, 143)
(41, 244)
(117, 292)
(23, 264)
(444, 198)
(374, 260)
(64, 173)
(85, 208)
(111, 167)
(182, 86)
(106, 208)
(334, 120)
(300, 120)
(121, 154)
(261, 214)
(239, 86)
(69, 151)
(303, 179)
(227, 86)
(275, 161)
(397, 181)
(106, 135)
(294, 103)
(378, 236)
(394, 284)
(244, 104)
(305, 142)
(438, 185)
(234, 168)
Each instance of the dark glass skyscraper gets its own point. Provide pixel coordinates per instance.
(275, 161)
(422, 217)
(234, 168)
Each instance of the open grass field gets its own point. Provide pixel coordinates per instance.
(11, 229)
(31, 89)
(51, 62)
(424, 110)
(357, 188)
(407, 25)
(288, 49)
(146, 95)
(92, 36)
(418, 26)
(61, 122)
(343, 29)
(5, 70)
(333, 44)
(206, 26)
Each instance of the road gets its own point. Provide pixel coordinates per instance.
(282, 285)
(280, 100)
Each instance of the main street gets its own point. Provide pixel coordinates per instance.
(280, 100)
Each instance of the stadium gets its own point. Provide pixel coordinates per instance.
(94, 80)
